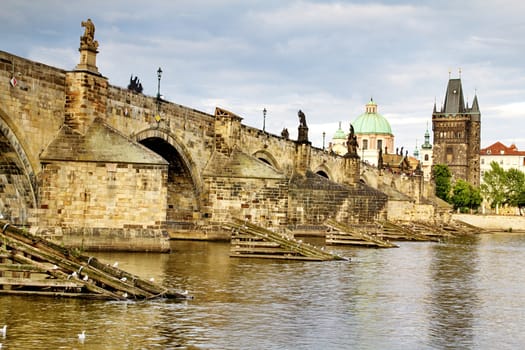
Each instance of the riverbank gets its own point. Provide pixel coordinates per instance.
(495, 223)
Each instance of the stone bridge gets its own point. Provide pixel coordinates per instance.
(104, 167)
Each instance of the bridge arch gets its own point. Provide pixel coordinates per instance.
(267, 158)
(323, 171)
(184, 180)
(17, 176)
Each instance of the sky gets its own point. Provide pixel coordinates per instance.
(326, 58)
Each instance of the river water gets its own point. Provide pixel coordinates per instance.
(465, 293)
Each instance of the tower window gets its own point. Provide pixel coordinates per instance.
(450, 154)
(426, 157)
(379, 144)
(365, 144)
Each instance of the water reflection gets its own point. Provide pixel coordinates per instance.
(460, 294)
(453, 298)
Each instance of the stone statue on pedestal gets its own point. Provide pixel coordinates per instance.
(351, 143)
(87, 41)
(303, 129)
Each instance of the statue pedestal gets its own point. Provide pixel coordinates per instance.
(351, 169)
(302, 135)
(88, 60)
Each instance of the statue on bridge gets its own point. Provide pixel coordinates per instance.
(303, 129)
(285, 134)
(351, 143)
(87, 41)
(135, 84)
(380, 159)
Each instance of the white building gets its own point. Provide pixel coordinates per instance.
(506, 157)
(373, 133)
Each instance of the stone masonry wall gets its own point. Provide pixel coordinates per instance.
(33, 109)
(261, 201)
(314, 199)
(104, 195)
(86, 96)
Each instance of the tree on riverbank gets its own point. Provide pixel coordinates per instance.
(465, 197)
(503, 187)
(442, 176)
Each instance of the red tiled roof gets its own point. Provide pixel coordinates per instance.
(498, 149)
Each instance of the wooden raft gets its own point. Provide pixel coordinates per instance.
(252, 241)
(341, 234)
(31, 265)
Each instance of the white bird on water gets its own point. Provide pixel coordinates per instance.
(3, 330)
(115, 264)
(82, 336)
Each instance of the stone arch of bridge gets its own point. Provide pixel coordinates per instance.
(18, 175)
(323, 171)
(184, 180)
(268, 158)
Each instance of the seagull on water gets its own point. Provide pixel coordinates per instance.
(115, 264)
(82, 336)
(3, 330)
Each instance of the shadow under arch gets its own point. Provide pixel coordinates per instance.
(184, 180)
(18, 176)
(267, 158)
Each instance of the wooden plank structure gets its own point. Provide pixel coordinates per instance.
(31, 265)
(408, 232)
(252, 241)
(341, 234)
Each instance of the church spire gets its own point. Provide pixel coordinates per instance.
(427, 144)
(475, 106)
(454, 101)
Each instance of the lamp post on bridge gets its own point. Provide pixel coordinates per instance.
(324, 134)
(159, 75)
(264, 119)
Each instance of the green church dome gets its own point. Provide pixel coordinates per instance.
(371, 122)
(339, 134)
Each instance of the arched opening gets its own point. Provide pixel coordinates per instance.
(264, 161)
(182, 201)
(17, 183)
(266, 158)
(322, 173)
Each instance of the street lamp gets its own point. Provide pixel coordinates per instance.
(264, 119)
(324, 134)
(159, 75)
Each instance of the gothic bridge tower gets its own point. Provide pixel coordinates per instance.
(457, 134)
